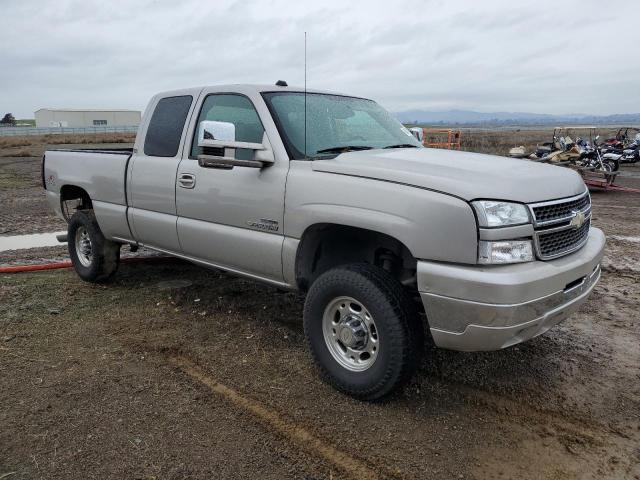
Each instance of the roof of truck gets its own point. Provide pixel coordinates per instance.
(248, 88)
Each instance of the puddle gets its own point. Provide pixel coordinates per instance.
(34, 240)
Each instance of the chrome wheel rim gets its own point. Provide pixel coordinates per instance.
(351, 334)
(84, 248)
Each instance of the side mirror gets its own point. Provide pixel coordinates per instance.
(222, 135)
(418, 133)
(213, 134)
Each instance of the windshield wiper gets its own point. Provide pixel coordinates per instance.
(344, 148)
(402, 145)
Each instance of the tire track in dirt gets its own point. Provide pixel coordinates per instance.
(296, 434)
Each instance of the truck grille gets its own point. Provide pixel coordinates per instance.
(553, 212)
(561, 242)
(558, 230)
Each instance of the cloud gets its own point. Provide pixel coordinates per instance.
(542, 56)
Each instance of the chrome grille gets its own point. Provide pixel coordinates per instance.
(556, 231)
(557, 242)
(546, 213)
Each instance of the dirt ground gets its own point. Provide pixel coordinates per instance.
(175, 372)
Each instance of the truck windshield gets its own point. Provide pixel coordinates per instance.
(334, 124)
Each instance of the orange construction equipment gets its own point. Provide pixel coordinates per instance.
(441, 138)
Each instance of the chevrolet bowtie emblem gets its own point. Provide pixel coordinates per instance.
(578, 219)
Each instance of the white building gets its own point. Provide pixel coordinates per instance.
(67, 117)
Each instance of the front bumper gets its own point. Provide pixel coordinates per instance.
(475, 308)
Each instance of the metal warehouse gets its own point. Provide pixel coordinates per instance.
(65, 117)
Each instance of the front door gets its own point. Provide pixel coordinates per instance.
(232, 218)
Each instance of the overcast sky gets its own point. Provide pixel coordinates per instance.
(562, 56)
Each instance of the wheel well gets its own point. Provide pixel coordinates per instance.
(73, 198)
(325, 246)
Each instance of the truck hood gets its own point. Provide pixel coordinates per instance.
(466, 175)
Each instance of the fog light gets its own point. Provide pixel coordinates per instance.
(505, 251)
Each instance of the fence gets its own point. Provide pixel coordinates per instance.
(442, 138)
(25, 131)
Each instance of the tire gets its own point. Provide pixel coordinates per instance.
(394, 334)
(615, 165)
(96, 261)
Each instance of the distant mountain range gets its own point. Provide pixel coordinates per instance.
(468, 117)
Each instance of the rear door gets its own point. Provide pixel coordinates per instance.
(233, 218)
(152, 172)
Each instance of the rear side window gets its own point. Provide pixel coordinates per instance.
(166, 125)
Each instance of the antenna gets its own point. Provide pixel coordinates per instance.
(305, 95)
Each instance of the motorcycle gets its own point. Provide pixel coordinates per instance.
(622, 137)
(629, 151)
(594, 158)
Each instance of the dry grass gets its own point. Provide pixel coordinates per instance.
(499, 142)
(89, 138)
(12, 142)
(37, 144)
(20, 153)
(496, 142)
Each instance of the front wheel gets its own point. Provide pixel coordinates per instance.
(362, 330)
(94, 258)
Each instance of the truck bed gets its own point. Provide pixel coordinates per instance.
(100, 172)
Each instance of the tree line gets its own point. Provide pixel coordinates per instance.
(8, 120)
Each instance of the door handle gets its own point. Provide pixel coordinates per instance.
(187, 180)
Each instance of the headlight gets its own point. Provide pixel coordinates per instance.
(492, 213)
(505, 251)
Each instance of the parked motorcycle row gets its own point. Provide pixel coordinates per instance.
(587, 153)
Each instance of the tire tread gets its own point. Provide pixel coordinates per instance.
(405, 336)
(106, 253)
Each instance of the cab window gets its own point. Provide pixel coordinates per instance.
(166, 125)
(236, 109)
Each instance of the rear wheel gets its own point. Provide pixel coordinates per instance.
(362, 330)
(94, 258)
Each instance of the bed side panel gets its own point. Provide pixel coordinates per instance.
(101, 175)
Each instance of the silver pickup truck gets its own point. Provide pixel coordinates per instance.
(329, 195)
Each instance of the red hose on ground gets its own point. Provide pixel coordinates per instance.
(33, 268)
(67, 264)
